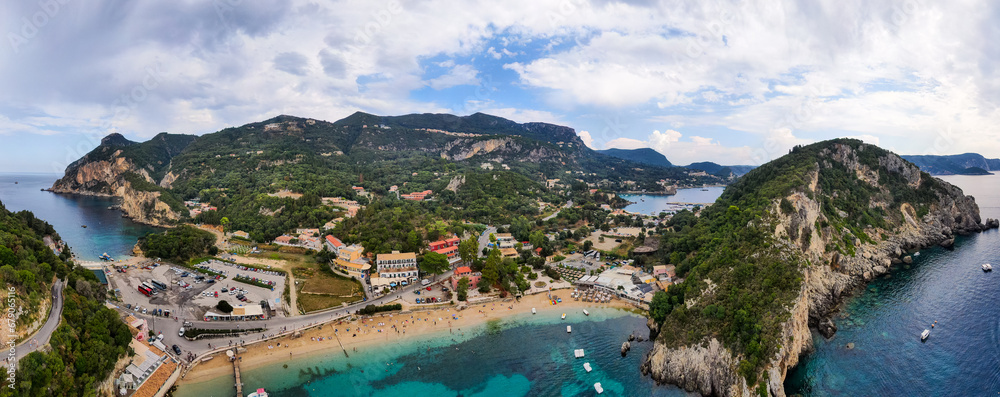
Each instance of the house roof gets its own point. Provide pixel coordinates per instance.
(335, 241)
(446, 250)
(397, 256)
(463, 270)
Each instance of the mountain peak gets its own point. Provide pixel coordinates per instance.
(116, 139)
(643, 155)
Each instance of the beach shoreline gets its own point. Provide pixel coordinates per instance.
(387, 329)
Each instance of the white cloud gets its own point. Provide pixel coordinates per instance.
(458, 75)
(586, 138)
(683, 152)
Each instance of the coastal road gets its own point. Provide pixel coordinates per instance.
(170, 328)
(41, 338)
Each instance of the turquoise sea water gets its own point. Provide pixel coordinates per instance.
(521, 356)
(106, 230)
(654, 203)
(885, 318)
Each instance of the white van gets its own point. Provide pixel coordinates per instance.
(424, 282)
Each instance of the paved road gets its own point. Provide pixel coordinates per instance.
(484, 239)
(170, 327)
(41, 338)
(554, 214)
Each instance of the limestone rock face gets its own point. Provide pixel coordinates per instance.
(709, 368)
(107, 178)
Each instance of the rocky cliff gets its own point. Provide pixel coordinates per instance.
(109, 171)
(854, 212)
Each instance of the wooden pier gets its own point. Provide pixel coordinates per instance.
(341, 344)
(239, 383)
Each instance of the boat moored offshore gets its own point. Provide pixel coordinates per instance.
(925, 334)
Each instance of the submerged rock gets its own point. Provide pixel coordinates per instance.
(827, 328)
(626, 347)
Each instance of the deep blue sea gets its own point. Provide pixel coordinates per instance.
(884, 321)
(522, 356)
(106, 230)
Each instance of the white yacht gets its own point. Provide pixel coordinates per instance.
(925, 334)
(987, 267)
(587, 367)
(597, 386)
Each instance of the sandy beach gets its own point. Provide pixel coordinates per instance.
(382, 329)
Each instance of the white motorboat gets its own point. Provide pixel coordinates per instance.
(569, 329)
(987, 267)
(585, 312)
(597, 386)
(578, 353)
(259, 393)
(564, 316)
(533, 311)
(586, 366)
(925, 334)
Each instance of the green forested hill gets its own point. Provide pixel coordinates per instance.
(91, 337)
(742, 276)
(236, 168)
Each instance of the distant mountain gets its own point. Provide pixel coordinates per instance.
(957, 164)
(642, 155)
(721, 170)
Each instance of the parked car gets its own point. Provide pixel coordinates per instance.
(225, 290)
(180, 332)
(143, 311)
(177, 349)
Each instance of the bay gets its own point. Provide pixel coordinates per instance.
(106, 231)
(647, 204)
(885, 318)
(522, 355)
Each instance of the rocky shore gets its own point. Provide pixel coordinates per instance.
(710, 368)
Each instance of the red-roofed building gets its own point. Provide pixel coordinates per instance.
(465, 271)
(333, 244)
(287, 240)
(451, 253)
(417, 196)
(451, 242)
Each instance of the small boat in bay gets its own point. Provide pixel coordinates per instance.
(83, 226)
(586, 366)
(987, 267)
(925, 334)
(569, 329)
(533, 311)
(259, 393)
(564, 316)
(578, 353)
(597, 386)
(585, 312)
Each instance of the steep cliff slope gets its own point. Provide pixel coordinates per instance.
(778, 250)
(133, 172)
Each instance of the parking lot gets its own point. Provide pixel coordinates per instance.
(189, 294)
(434, 295)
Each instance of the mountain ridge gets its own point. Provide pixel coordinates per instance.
(956, 164)
(153, 177)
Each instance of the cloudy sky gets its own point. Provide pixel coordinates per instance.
(735, 82)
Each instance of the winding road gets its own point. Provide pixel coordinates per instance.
(42, 336)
